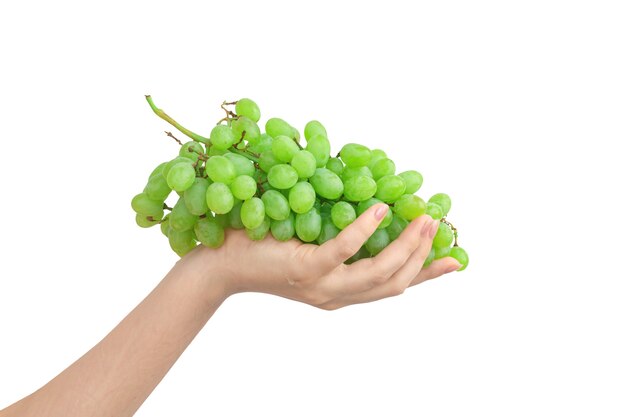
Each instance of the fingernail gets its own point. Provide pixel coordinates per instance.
(453, 268)
(380, 212)
(433, 229)
(426, 227)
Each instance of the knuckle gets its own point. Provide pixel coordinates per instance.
(397, 288)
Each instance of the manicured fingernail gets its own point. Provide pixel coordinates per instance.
(380, 212)
(426, 227)
(433, 229)
(453, 268)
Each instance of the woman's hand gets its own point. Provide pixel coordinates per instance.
(317, 275)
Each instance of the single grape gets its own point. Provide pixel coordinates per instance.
(259, 232)
(443, 200)
(326, 183)
(413, 181)
(263, 144)
(175, 161)
(325, 209)
(157, 188)
(219, 198)
(209, 232)
(278, 127)
(234, 216)
(283, 230)
(328, 231)
(252, 213)
(389, 188)
(429, 259)
(410, 206)
(319, 146)
(304, 163)
(243, 187)
(377, 241)
(145, 221)
(276, 205)
(195, 197)
(282, 176)
(222, 137)
(434, 211)
(181, 242)
(308, 225)
(377, 154)
(301, 197)
(243, 166)
(342, 214)
(314, 128)
(245, 128)
(460, 255)
(383, 167)
(191, 150)
(442, 252)
(444, 236)
(362, 253)
(158, 170)
(335, 165)
(284, 148)
(181, 177)
(349, 172)
(220, 169)
(142, 204)
(359, 188)
(213, 151)
(180, 218)
(396, 227)
(165, 225)
(365, 204)
(355, 155)
(248, 108)
(267, 160)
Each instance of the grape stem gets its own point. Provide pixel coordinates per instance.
(248, 155)
(454, 230)
(174, 137)
(174, 123)
(229, 114)
(166, 207)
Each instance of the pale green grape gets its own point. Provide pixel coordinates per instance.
(304, 163)
(222, 219)
(243, 187)
(443, 200)
(319, 146)
(145, 221)
(259, 232)
(284, 148)
(157, 171)
(219, 198)
(180, 218)
(142, 204)
(325, 209)
(276, 205)
(362, 253)
(181, 242)
(252, 213)
(175, 161)
(263, 144)
(222, 137)
(383, 167)
(243, 166)
(349, 172)
(244, 124)
(278, 127)
(377, 154)
(377, 241)
(429, 259)
(195, 197)
(220, 169)
(444, 236)
(389, 188)
(342, 214)
(359, 188)
(213, 151)
(335, 165)
(308, 225)
(191, 150)
(209, 232)
(328, 231)
(364, 205)
(234, 216)
(181, 177)
(355, 155)
(165, 225)
(413, 181)
(409, 207)
(434, 211)
(282, 176)
(267, 160)
(248, 108)
(442, 252)
(396, 227)
(314, 128)
(283, 230)
(326, 183)
(460, 255)
(301, 197)
(157, 188)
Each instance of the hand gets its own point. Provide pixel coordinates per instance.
(317, 275)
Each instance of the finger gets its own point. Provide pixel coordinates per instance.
(336, 251)
(438, 268)
(371, 272)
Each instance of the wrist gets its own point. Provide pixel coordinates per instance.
(214, 279)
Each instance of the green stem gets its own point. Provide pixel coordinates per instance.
(244, 153)
(174, 123)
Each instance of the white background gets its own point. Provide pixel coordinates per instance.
(516, 109)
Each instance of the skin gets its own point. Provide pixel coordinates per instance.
(116, 376)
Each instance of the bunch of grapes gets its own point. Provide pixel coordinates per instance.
(268, 182)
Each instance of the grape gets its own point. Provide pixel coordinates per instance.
(181, 242)
(243, 187)
(314, 128)
(222, 219)
(359, 188)
(191, 150)
(308, 225)
(213, 151)
(364, 205)
(165, 225)
(259, 232)
(326, 183)
(342, 214)
(222, 137)
(335, 165)
(396, 227)
(175, 161)
(252, 213)
(349, 172)
(283, 230)
(444, 236)
(328, 231)
(195, 197)
(158, 171)
(144, 221)
(248, 108)
(377, 154)
(267, 160)
(434, 211)
(234, 216)
(460, 255)
(383, 167)
(325, 209)
(301, 197)
(251, 129)
(243, 166)
(276, 205)
(389, 188)
(180, 218)
(442, 252)
(157, 188)
(263, 144)
(282, 176)
(220, 169)
(319, 146)
(142, 204)
(377, 241)
(443, 200)
(209, 232)
(410, 206)
(429, 259)
(219, 198)
(413, 181)
(181, 177)
(284, 148)
(304, 163)
(355, 155)
(362, 253)
(278, 127)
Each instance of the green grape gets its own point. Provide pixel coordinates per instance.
(308, 225)
(157, 188)
(222, 137)
(389, 188)
(251, 129)
(314, 128)
(377, 154)
(355, 155)
(191, 150)
(342, 214)
(157, 171)
(243, 166)
(259, 232)
(396, 227)
(364, 205)
(243, 187)
(328, 231)
(219, 198)
(234, 216)
(443, 200)
(252, 213)
(284, 148)
(460, 255)
(319, 146)
(263, 144)
(442, 252)
(434, 211)
(326, 183)
(413, 181)
(444, 236)
(276, 205)
(349, 172)
(209, 232)
(429, 259)
(267, 160)
(282, 176)
(301, 197)
(377, 241)
(165, 225)
(383, 167)
(222, 219)
(180, 218)
(181, 177)
(181, 242)
(213, 151)
(220, 169)
(145, 221)
(359, 188)
(335, 165)
(278, 127)
(410, 206)
(175, 161)
(195, 197)
(362, 253)
(325, 209)
(304, 163)
(142, 204)
(283, 230)
(248, 108)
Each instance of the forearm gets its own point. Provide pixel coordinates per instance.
(116, 376)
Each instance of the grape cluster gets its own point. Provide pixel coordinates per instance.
(264, 183)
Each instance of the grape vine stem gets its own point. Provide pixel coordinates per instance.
(454, 230)
(174, 123)
(174, 137)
